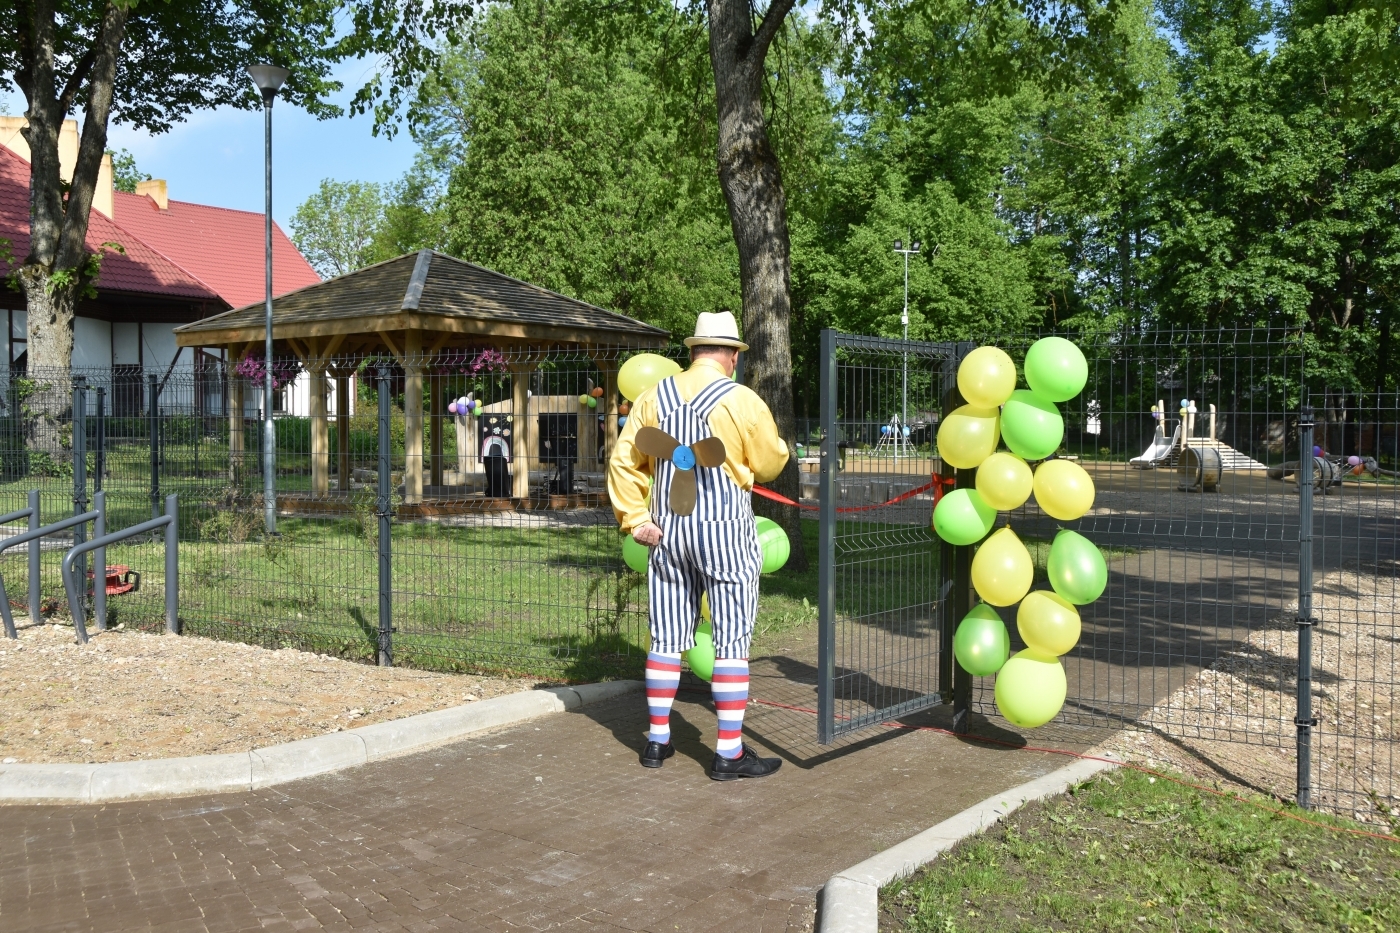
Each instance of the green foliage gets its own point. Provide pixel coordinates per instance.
(336, 228)
(570, 172)
(125, 174)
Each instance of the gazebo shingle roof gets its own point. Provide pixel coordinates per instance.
(431, 292)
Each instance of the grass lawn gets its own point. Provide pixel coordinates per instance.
(1127, 852)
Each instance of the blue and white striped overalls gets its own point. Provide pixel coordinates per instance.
(713, 550)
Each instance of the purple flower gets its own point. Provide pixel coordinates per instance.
(283, 371)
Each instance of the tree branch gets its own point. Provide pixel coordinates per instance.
(81, 69)
(768, 29)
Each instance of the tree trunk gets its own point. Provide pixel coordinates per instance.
(59, 267)
(752, 182)
(50, 326)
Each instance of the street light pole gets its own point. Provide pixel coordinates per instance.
(269, 79)
(913, 250)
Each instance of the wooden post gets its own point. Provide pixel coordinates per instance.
(235, 421)
(523, 436)
(438, 423)
(413, 417)
(342, 430)
(320, 431)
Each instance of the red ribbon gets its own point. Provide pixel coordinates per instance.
(937, 484)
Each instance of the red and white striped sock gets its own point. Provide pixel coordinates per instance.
(663, 680)
(730, 688)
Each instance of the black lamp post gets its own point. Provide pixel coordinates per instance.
(269, 79)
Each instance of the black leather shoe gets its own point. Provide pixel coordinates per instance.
(747, 765)
(655, 753)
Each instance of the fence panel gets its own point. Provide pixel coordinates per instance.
(882, 570)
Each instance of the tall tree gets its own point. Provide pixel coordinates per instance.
(150, 64)
(336, 227)
(752, 181)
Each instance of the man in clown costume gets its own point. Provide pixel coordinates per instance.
(704, 440)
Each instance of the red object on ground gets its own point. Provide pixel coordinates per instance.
(120, 579)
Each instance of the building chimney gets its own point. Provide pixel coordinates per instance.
(102, 193)
(156, 191)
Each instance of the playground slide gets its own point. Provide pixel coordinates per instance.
(1160, 449)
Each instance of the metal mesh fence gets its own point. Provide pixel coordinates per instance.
(882, 568)
(508, 562)
(1193, 441)
(512, 562)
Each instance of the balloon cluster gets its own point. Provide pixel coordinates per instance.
(1030, 687)
(590, 398)
(466, 405)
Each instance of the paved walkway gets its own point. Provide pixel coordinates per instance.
(547, 826)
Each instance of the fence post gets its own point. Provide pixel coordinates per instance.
(172, 566)
(100, 460)
(154, 417)
(80, 499)
(99, 564)
(947, 554)
(35, 602)
(1304, 719)
(962, 588)
(826, 552)
(382, 509)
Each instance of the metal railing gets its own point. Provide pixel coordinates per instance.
(31, 513)
(73, 573)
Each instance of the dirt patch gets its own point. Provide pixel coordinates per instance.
(126, 696)
(1250, 696)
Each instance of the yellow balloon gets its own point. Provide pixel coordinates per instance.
(1048, 622)
(968, 436)
(1063, 489)
(1004, 481)
(643, 371)
(1001, 569)
(986, 377)
(705, 607)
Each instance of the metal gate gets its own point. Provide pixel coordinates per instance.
(884, 643)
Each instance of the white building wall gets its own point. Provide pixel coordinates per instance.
(92, 344)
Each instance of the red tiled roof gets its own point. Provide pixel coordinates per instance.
(221, 248)
(139, 269)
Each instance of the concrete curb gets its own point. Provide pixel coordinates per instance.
(850, 899)
(277, 764)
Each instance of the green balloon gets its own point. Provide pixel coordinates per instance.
(635, 554)
(1055, 369)
(773, 543)
(701, 658)
(1031, 688)
(1076, 568)
(963, 517)
(1031, 425)
(981, 644)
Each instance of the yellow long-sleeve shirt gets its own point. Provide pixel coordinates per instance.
(753, 450)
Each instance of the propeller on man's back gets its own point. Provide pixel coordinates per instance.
(655, 442)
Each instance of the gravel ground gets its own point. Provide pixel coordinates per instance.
(127, 696)
(1250, 695)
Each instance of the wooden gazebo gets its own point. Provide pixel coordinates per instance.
(415, 308)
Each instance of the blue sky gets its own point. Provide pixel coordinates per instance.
(216, 157)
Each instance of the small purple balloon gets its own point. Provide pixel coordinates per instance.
(1317, 451)
(1354, 460)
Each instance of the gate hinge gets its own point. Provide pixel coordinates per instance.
(1305, 722)
(1303, 620)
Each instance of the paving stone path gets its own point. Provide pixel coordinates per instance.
(547, 826)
